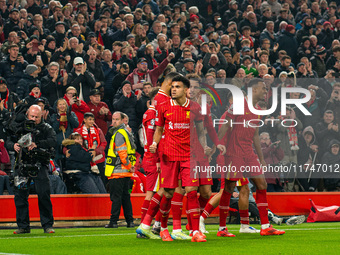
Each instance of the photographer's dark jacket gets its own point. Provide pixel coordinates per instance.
(44, 139)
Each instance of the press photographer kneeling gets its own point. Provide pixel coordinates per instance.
(33, 143)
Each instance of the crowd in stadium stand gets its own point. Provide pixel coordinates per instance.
(102, 56)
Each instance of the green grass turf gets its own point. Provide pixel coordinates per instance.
(307, 238)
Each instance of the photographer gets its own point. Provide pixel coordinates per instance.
(43, 138)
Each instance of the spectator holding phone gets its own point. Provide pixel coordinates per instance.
(78, 106)
(12, 67)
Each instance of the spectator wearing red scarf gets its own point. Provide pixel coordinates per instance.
(95, 143)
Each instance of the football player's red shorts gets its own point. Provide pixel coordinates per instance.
(172, 171)
(239, 167)
(152, 176)
(204, 175)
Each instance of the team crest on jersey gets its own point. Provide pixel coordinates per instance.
(230, 109)
(188, 114)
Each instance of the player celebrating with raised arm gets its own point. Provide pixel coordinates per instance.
(240, 154)
(174, 119)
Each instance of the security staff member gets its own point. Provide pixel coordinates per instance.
(44, 139)
(119, 168)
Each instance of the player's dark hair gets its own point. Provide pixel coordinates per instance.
(153, 92)
(254, 82)
(184, 80)
(171, 75)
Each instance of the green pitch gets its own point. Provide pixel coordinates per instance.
(307, 238)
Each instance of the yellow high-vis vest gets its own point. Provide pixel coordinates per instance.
(112, 157)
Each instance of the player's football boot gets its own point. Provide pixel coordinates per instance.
(271, 231)
(198, 237)
(202, 226)
(146, 232)
(165, 235)
(248, 230)
(156, 230)
(180, 236)
(225, 233)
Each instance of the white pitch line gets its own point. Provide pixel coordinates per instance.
(2, 253)
(126, 234)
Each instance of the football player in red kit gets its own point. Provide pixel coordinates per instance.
(240, 154)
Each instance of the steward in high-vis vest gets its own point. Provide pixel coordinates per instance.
(120, 163)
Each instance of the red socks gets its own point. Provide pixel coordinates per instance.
(224, 207)
(165, 209)
(158, 216)
(145, 207)
(189, 227)
(244, 217)
(193, 209)
(152, 210)
(262, 205)
(207, 211)
(177, 207)
(203, 202)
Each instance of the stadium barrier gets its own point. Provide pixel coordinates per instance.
(98, 207)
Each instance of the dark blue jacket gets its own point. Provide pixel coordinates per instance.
(79, 158)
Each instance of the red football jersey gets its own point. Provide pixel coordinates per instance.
(240, 140)
(149, 127)
(176, 122)
(160, 99)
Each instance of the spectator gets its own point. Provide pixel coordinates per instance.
(81, 79)
(307, 157)
(289, 144)
(34, 94)
(4, 178)
(63, 121)
(326, 130)
(78, 165)
(142, 72)
(31, 76)
(78, 106)
(100, 110)
(13, 21)
(315, 106)
(332, 159)
(127, 102)
(94, 139)
(53, 85)
(268, 33)
(12, 67)
(288, 42)
(318, 61)
(334, 103)
(94, 66)
(273, 154)
(109, 70)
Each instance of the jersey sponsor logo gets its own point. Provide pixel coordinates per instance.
(181, 125)
(171, 125)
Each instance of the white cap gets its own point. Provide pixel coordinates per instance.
(78, 60)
